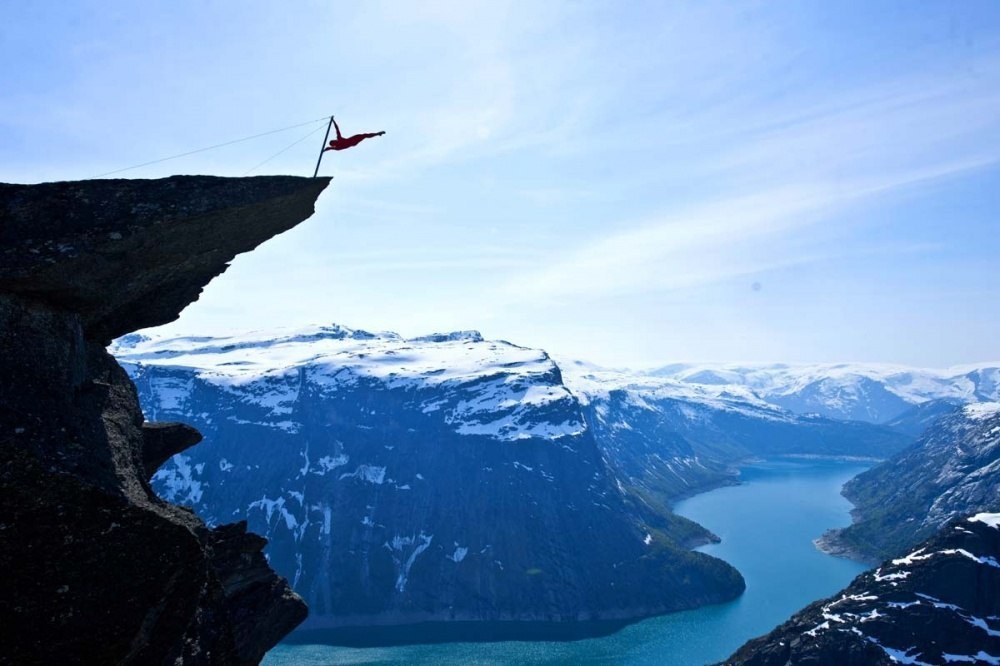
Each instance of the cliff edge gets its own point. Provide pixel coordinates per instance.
(97, 568)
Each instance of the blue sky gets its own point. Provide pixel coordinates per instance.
(630, 183)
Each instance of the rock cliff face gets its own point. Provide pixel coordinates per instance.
(441, 478)
(952, 470)
(938, 604)
(97, 568)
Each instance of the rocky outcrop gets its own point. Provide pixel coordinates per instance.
(952, 470)
(938, 604)
(97, 568)
(130, 254)
(164, 439)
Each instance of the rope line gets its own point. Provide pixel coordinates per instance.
(285, 149)
(218, 145)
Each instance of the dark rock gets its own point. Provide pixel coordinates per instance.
(161, 440)
(251, 589)
(97, 568)
(941, 599)
(129, 254)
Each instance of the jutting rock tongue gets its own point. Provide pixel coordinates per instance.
(129, 254)
(97, 569)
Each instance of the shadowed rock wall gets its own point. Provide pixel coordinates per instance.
(96, 568)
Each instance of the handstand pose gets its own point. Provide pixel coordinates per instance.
(342, 142)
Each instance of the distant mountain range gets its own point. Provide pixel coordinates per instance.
(448, 477)
(876, 393)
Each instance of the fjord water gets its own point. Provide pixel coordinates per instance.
(767, 525)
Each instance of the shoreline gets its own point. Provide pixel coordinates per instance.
(829, 543)
(820, 456)
(455, 631)
(731, 478)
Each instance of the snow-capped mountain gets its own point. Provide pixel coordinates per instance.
(435, 478)
(451, 477)
(953, 469)
(871, 392)
(650, 426)
(517, 390)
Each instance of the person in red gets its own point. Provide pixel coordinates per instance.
(344, 142)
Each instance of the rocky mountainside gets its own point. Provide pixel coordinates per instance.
(97, 568)
(876, 393)
(652, 428)
(952, 470)
(400, 481)
(919, 418)
(939, 604)
(451, 477)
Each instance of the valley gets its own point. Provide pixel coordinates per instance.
(768, 538)
(421, 493)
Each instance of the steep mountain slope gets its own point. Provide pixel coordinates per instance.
(672, 438)
(876, 393)
(450, 477)
(938, 604)
(438, 478)
(953, 469)
(96, 568)
(919, 418)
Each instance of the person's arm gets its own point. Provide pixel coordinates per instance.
(337, 127)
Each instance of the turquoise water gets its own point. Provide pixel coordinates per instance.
(767, 525)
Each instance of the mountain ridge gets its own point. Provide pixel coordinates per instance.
(873, 392)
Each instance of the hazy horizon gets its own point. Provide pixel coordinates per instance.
(628, 186)
(171, 332)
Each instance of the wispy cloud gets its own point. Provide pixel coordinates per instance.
(708, 243)
(761, 181)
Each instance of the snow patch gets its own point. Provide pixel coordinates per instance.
(398, 546)
(991, 519)
(330, 463)
(178, 482)
(899, 575)
(981, 410)
(369, 473)
(980, 657)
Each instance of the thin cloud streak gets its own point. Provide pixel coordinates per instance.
(703, 245)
